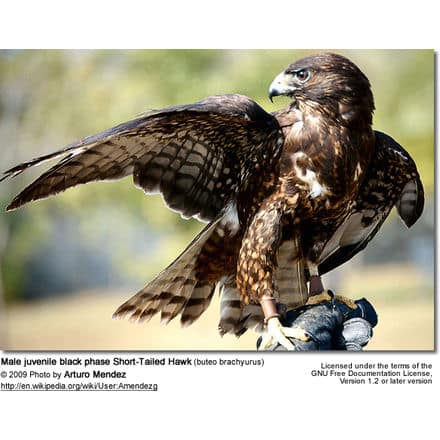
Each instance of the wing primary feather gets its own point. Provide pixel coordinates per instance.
(18, 169)
(179, 151)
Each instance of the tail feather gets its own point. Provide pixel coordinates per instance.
(177, 303)
(170, 291)
(290, 275)
(291, 290)
(198, 302)
(182, 288)
(230, 308)
(179, 289)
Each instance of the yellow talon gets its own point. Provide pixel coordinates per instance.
(277, 334)
(299, 333)
(324, 296)
(347, 301)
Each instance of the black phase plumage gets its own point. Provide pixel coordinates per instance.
(392, 180)
(298, 191)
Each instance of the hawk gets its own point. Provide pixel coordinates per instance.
(287, 196)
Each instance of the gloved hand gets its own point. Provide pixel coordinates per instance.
(331, 326)
(358, 324)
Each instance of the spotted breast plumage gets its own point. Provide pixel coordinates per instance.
(287, 196)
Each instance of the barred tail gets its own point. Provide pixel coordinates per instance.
(291, 291)
(175, 290)
(187, 285)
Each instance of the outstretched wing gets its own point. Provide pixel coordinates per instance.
(392, 180)
(194, 155)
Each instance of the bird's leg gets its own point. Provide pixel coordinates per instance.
(315, 287)
(275, 332)
(317, 293)
(256, 264)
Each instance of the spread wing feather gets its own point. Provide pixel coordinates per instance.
(194, 155)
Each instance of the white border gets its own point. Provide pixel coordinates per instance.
(279, 399)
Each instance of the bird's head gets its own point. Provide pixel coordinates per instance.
(329, 82)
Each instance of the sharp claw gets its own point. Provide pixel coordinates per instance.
(297, 333)
(277, 334)
(266, 343)
(323, 297)
(347, 301)
(332, 301)
(329, 296)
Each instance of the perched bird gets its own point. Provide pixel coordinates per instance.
(287, 196)
(392, 180)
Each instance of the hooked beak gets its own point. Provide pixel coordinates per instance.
(282, 85)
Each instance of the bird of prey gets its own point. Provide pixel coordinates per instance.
(287, 196)
(392, 180)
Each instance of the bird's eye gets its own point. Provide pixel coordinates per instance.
(303, 75)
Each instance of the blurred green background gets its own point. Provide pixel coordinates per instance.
(67, 262)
